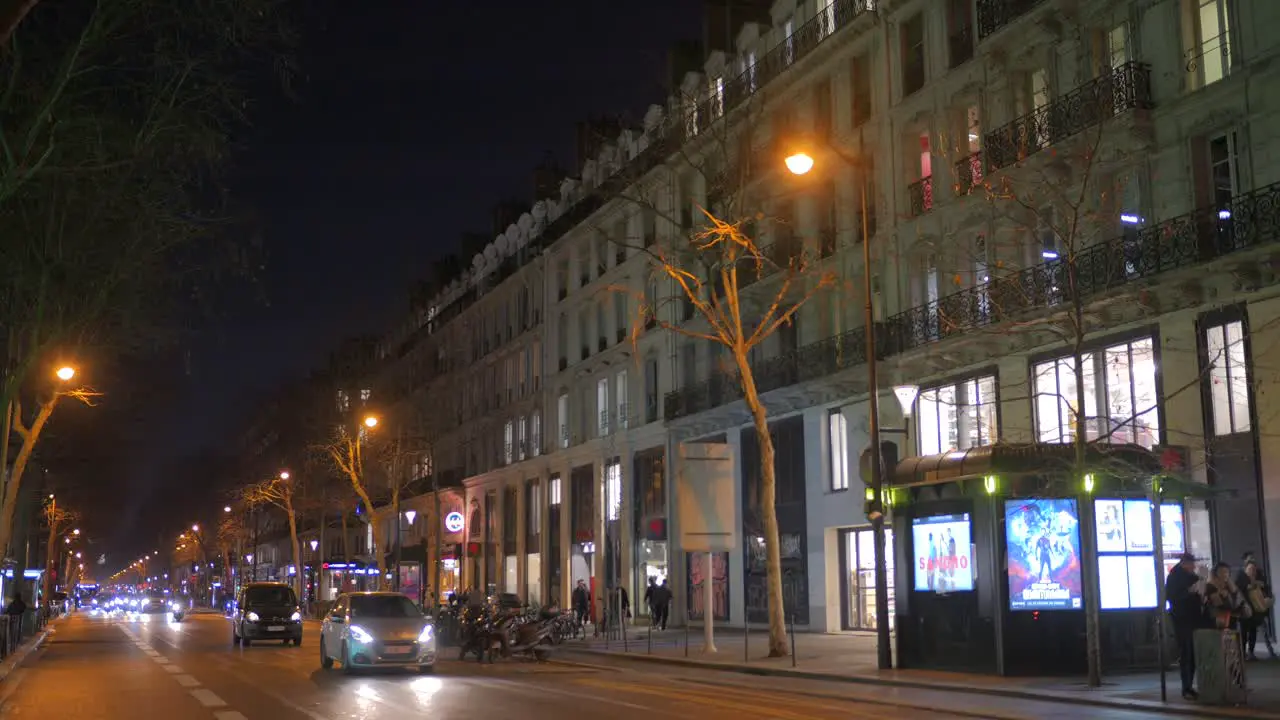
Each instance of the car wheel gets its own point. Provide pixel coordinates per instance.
(326, 662)
(246, 641)
(346, 660)
(297, 642)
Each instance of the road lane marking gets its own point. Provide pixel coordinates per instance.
(207, 698)
(187, 681)
(160, 659)
(741, 701)
(172, 668)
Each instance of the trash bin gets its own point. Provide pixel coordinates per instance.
(1220, 667)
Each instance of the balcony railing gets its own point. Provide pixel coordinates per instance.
(1205, 234)
(968, 173)
(1120, 89)
(921, 196)
(995, 14)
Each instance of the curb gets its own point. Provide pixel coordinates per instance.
(14, 661)
(1138, 705)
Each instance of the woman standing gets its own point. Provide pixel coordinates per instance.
(1260, 599)
(1226, 604)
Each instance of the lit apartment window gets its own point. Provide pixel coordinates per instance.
(838, 437)
(620, 398)
(1120, 396)
(365, 394)
(717, 97)
(344, 401)
(535, 434)
(554, 491)
(602, 406)
(562, 419)
(613, 491)
(507, 445)
(1209, 52)
(827, 12)
(1228, 378)
(521, 437)
(788, 28)
(957, 416)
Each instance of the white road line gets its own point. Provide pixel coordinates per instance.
(160, 659)
(187, 681)
(207, 698)
(172, 668)
(228, 715)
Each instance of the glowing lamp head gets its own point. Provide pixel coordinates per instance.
(284, 474)
(65, 373)
(799, 163)
(371, 421)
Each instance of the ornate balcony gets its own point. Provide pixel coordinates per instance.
(968, 173)
(920, 193)
(1123, 88)
(1248, 221)
(995, 14)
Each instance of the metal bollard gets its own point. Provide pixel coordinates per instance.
(793, 639)
(649, 651)
(686, 637)
(746, 640)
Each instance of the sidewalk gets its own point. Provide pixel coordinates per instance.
(851, 658)
(15, 659)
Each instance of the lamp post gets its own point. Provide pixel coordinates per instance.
(800, 163)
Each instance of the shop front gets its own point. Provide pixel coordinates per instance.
(999, 547)
(857, 570)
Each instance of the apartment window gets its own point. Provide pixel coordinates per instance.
(562, 418)
(860, 87)
(1209, 54)
(827, 12)
(562, 278)
(344, 401)
(751, 70)
(651, 302)
(507, 440)
(620, 398)
(957, 416)
(717, 96)
(553, 494)
(838, 437)
(613, 491)
(1223, 168)
(521, 437)
(620, 320)
(689, 364)
(602, 406)
(1228, 378)
(822, 107)
(1120, 395)
(788, 28)
(602, 255)
(921, 191)
(651, 390)
(522, 371)
(584, 332)
(960, 31)
(535, 434)
(562, 340)
(1119, 49)
(365, 394)
(912, 55)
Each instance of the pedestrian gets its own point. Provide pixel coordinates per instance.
(1260, 599)
(661, 605)
(1224, 599)
(581, 603)
(648, 597)
(1184, 591)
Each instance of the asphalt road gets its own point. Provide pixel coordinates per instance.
(116, 669)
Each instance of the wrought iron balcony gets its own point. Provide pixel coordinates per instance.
(995, 14)
(968, 173)
(1120, 89)
(921, 196)
(1248, 221)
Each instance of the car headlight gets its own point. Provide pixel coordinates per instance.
(360, 634)
(296, 616)
(427, 633)
(251, 616)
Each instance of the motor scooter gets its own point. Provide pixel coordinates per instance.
(178, 611)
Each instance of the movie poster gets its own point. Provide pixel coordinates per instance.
(1042, 536)
(943, 553)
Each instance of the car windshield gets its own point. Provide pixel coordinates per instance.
(270, 596)
(383, 606)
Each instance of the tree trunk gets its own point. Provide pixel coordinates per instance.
(1088, 557)
(346, 542)
(19, 467)
(768, 508)
(299, 570)
(49, 569)
(373, 524)
(439, 537)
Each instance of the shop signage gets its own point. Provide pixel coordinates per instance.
(453, 522)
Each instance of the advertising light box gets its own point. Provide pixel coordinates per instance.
(943, 553)
(1042, 537)
(1126, 551)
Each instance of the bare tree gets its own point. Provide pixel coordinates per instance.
(230, 536)
(350, 452)
(279, 492)
(57, 520)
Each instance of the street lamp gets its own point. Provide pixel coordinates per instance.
(66, 373)
(226, 508)
(800, 162)
(371, 421)
(284, 474)
(314, 544)
(410, 515)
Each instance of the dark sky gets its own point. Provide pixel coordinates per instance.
(415, 117)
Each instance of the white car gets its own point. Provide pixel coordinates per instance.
(377, 629)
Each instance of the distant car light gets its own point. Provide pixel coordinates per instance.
(427, 633)
(251, 616)
(296, 616)
(360, 634)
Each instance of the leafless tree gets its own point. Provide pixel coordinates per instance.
(279, 492)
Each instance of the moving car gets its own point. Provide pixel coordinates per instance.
(374, 629)
(266, 611)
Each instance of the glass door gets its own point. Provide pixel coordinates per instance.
(861, 580)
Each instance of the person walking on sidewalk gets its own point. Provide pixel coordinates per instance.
(1184, 591)
(648, 598)
(661, 599)
(581, 605)
(1258, 594)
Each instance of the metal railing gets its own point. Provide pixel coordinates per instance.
(1205, 234)
(968, 173)
(920, 195)
(1117, 90)
(995, 14)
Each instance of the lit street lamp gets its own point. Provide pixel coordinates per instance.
(800, 163)
(66, 373)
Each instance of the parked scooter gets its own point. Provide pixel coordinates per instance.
(530, 639)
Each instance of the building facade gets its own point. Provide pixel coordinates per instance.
(1046, 184)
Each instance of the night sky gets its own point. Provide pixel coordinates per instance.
(412, 120)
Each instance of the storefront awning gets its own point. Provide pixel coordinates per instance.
(1006, 460)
